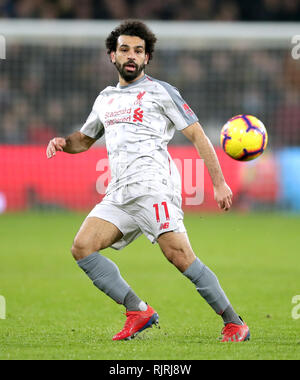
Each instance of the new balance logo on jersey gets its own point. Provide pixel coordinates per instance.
(138, 115)
(163, 226)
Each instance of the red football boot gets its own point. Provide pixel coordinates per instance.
(235, 333)
(136, 322)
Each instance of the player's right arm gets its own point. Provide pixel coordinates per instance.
(77, 142)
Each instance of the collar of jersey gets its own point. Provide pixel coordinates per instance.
(132, 84)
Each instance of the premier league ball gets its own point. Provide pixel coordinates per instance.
(244, 137)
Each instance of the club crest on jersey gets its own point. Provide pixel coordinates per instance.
(139, 98)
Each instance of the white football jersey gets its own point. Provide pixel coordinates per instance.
(139, 120)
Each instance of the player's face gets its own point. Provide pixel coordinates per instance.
(130, 58)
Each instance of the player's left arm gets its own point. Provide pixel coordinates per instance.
(222, 192)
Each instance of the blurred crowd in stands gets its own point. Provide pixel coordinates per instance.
(49, 90)
(222, 10)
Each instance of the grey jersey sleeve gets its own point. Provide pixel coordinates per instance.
(176, 108)
(93, 126)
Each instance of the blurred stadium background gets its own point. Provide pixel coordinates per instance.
(226, 58)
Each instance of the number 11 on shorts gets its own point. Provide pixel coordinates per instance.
(165, 207)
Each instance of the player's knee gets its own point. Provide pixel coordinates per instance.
(80, 249)
(181, 257)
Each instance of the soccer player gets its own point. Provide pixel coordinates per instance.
(139, 117)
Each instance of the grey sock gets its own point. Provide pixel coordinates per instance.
(207, 285)
(132, 302)
(230, 316)
(105, 276)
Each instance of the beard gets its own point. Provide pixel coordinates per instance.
(129, 75)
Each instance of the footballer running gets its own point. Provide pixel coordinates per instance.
(139, 117)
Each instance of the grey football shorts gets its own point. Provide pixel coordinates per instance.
(137, 210)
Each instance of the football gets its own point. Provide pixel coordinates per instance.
(244, 137)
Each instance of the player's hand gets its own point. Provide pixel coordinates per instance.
(223, 196)
(56, 144)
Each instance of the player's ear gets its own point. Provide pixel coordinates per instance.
(147, 59)
(113, 56)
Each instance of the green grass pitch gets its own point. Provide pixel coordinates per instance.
(54, 312)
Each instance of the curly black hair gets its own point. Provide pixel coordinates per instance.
(132, 28)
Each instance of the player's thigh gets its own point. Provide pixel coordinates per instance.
(95, 234)
(177, 249)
